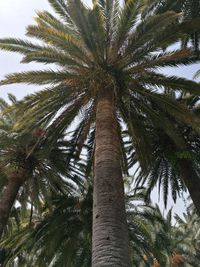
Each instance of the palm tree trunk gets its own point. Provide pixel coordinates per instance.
(110, 242)
(192, 181)
(7, 200)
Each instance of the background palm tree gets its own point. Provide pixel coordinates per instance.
(189, 226)
(107, 63)
(190, 17)
(63, 229)
(32, 170)
(171, 244)
(176, 161)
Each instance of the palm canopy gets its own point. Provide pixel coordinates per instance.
(172, 245)
(46, 168)
(66, 245)
(169, 153)
(154, 237)
(190, 17)
(106, 46)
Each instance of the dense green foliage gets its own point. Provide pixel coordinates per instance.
(190, 16)
(165, 171)
(67, 226)
(46, 165)
(51, 133)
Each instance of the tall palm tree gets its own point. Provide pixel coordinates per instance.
(107, 60)
(32, 171)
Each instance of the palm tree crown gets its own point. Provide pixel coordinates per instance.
(103, 47)
(40, 170)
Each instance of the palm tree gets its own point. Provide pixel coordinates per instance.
(190, 18)
(63, 229)
(176, 160)
(32, 171)
(107, 60)
(189, 226)
(173, 242)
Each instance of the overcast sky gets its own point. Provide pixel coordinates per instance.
(15, 15)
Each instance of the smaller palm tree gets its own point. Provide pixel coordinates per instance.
(59, 236)
(31, 171)
(172, 245)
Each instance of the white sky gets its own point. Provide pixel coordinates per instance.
(15, 15)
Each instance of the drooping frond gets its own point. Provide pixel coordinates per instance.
(39, 77)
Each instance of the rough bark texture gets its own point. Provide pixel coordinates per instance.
(192, 181)
(110, 244)
(7, 200)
